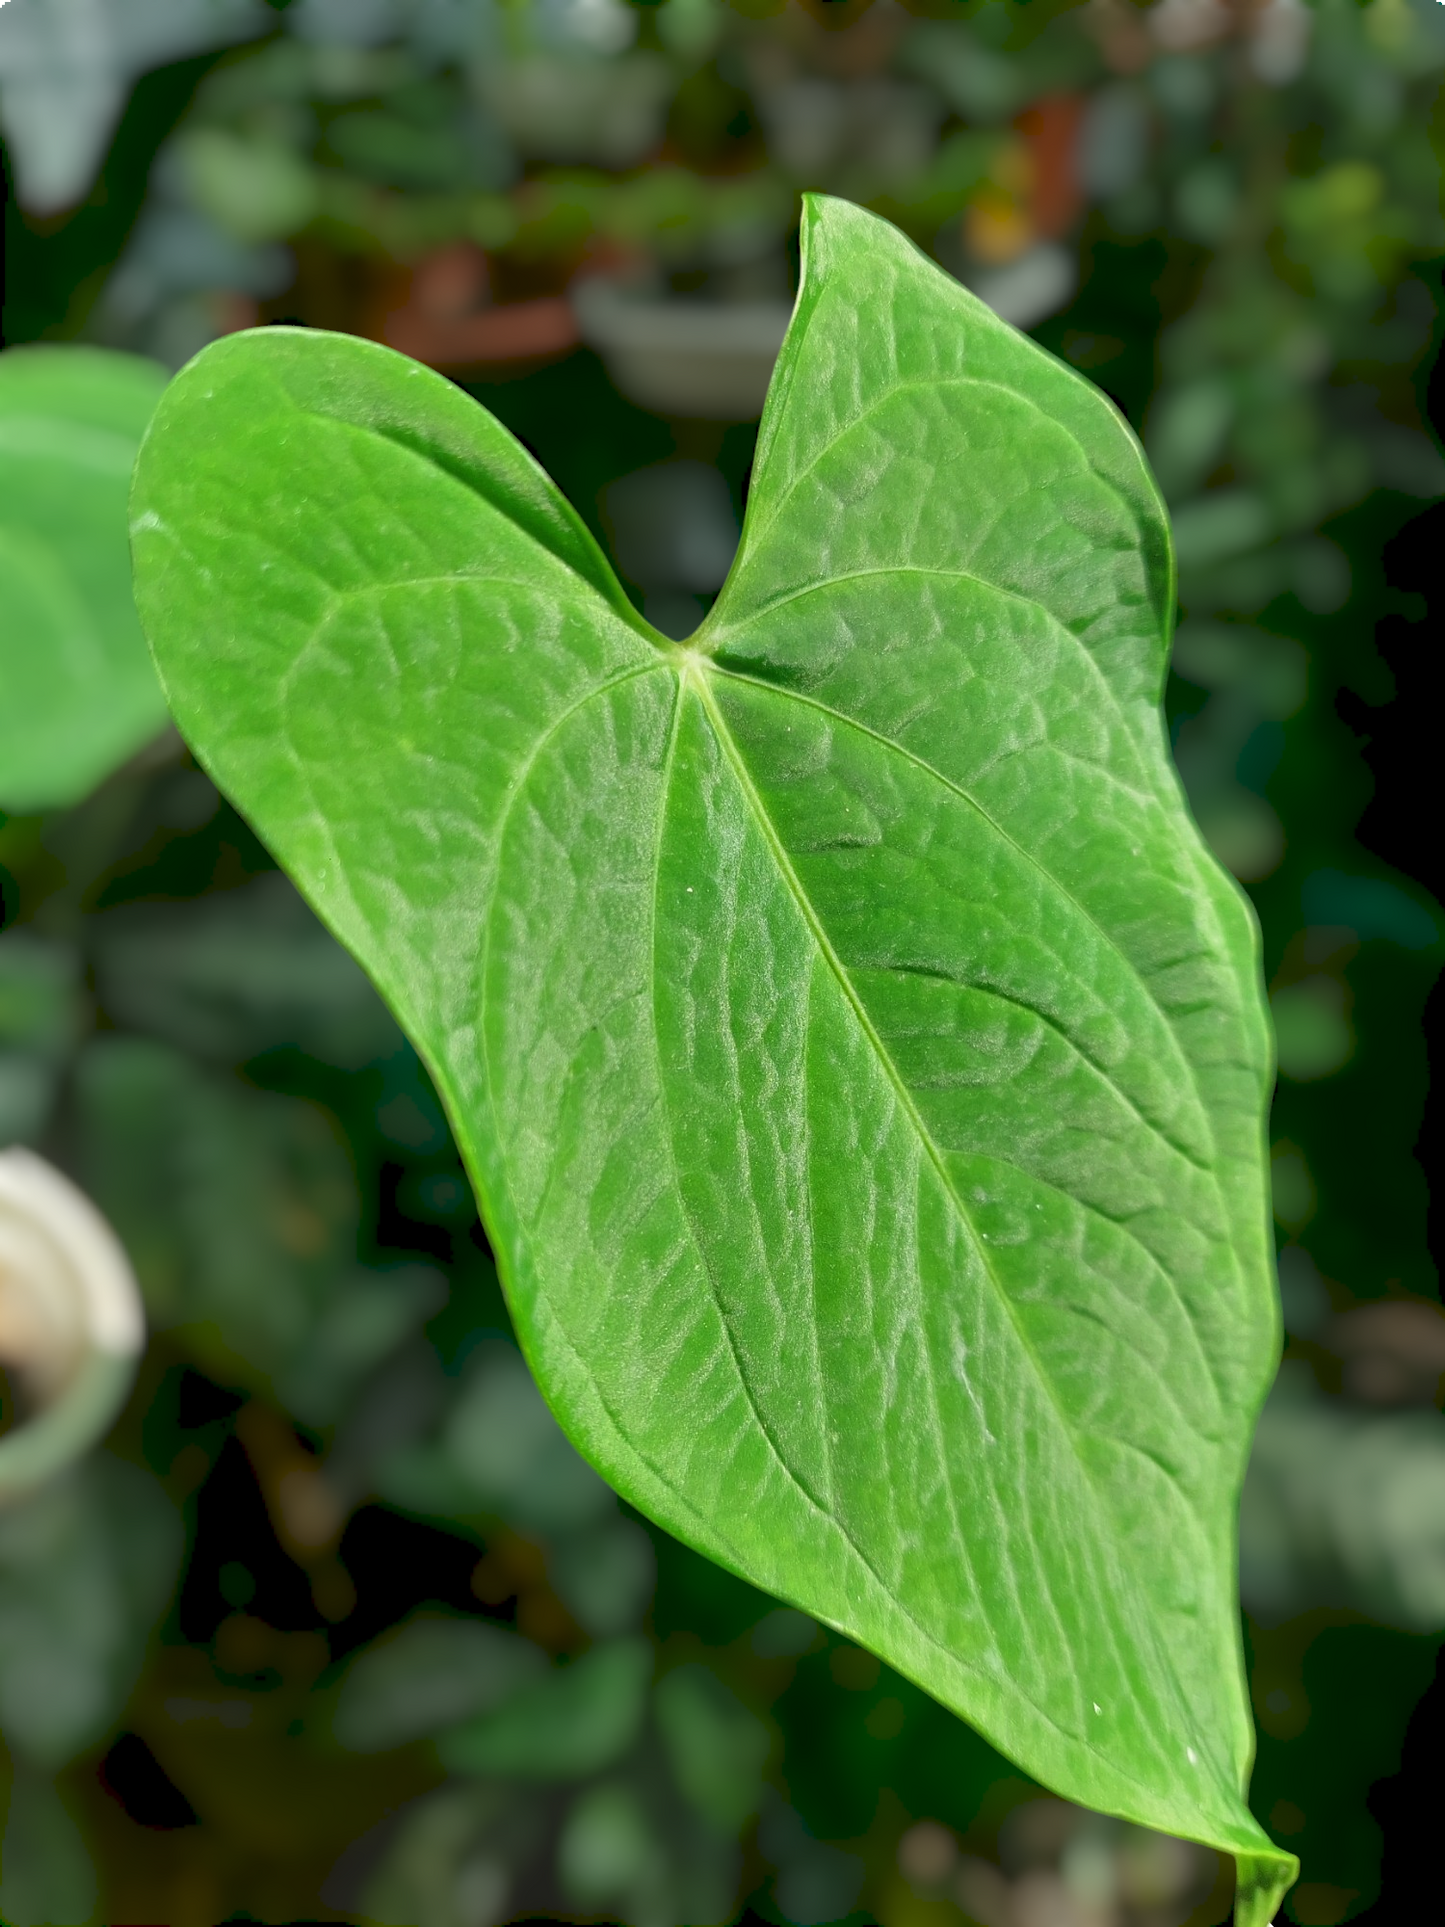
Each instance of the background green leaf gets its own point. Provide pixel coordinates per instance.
(569, 1724)
(77, 691)
(428, 1674)
(85, 1565)
(46, 1879)
(861, 1061)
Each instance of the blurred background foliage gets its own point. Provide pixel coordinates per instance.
(337, 1626)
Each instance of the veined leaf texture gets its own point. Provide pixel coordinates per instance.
(860, 1061)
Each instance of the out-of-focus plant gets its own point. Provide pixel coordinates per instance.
(66, 67)
(77, 691)
(88, 1546)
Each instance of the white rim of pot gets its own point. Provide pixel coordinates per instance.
(71, 1321)
(611, 317)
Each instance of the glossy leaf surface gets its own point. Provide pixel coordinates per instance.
(78, 694)
(861, 1063)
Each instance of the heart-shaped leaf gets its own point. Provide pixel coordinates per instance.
(78, 694)
(861, 1063)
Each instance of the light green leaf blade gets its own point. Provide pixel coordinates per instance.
(861, 1063)
(78, 694)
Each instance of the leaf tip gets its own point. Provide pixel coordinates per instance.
(1261, 1882)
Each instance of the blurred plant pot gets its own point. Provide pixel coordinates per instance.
(71, 1324)
(441, 312)
(1023, 287)
(708, 360)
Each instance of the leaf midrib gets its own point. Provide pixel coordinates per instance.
(690, 674)
(824, 1511)
(820, 1502)
(694, 674)
(696, 679)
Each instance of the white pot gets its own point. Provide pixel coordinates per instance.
(71, 1323)
(704, 359)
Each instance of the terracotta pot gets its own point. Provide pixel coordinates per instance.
(440, 312)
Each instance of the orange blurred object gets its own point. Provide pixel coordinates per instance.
(1051, 129)
(441, 313)
(996, 227)
(233, 312)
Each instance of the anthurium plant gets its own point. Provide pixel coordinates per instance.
(859, 1059)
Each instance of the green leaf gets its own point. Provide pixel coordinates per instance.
(86, 1565)
(607, 1854)
(861, 1062)
(450, 1857)
(429, 1674)
(40, 991)
(238, 1209)
(78, 694)
(46, 1876)
(716, 1746)
(579, 1719)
